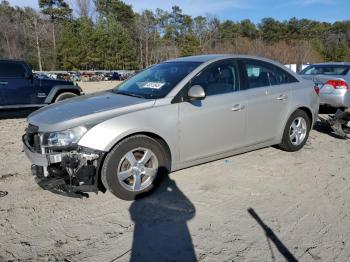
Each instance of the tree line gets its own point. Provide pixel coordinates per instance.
(108, 34)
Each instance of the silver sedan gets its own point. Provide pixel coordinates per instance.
(173, 115)
(332, 80)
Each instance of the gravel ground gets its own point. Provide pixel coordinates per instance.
(266, 205)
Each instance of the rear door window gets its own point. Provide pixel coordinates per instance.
(12, 70)
(262, 74)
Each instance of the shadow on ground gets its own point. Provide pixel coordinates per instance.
(327, 110)
(321, 126)
(326, 129)
(16, 113)
(271, 237)
(161, 232)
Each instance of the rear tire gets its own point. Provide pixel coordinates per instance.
(124, 166)
(64, 96)
(296, 131)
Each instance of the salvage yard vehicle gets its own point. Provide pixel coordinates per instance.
(173, 115)
(339, 123)
(114, 76)
(20, 88)
(332, 79)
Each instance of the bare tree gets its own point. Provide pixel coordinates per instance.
(11, 34)
(40, 31)
(56, 10)
(146, 29)
(84, 8)
(7, 30)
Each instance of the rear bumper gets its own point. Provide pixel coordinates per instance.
(338, 98)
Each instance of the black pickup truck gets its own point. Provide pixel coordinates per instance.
(20, 88)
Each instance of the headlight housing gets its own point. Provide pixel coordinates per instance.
(64, 138)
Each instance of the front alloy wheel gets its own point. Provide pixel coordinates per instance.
(134, 166)
(137, 169)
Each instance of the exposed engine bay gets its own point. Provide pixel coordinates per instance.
(70, 171)
(75, 175)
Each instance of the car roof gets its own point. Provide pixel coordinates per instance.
(198, 58)
(11, 60)
(214, 57)
(331, 63)
(217, 57)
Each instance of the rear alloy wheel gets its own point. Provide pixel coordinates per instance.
(296, 131)
(133, 167)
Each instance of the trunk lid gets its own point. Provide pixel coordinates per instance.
(320, 80)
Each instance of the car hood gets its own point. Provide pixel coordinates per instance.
(85, 110)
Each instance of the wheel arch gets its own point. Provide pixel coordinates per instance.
(57, 90)
(306, 109)
(153, 135)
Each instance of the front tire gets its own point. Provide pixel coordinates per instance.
(134, 166)
(296, 131)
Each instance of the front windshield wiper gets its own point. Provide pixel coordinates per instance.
(129, 94)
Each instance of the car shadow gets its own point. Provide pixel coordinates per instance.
(161, 232)
(327, 110)
(326, 129)
(271, 236)
(16, 113)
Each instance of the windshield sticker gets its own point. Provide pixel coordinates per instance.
(153, 85)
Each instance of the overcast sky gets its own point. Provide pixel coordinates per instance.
(322, 10)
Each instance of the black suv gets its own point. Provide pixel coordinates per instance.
(19, 87)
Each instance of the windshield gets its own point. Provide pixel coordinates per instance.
(326, 70)
(156, 81)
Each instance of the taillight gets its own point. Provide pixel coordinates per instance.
(317, 90)
(337, 84)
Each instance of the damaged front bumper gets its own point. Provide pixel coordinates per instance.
(71, 172)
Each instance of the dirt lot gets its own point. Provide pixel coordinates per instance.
(91, 87)
(302, 199)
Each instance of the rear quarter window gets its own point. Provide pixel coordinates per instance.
(10, 69)
(282, 77)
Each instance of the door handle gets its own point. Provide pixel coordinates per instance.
(3, 83)
(238, 107)
(282, 97)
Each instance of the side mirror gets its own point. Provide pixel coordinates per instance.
(27, 75)
(196, 92)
